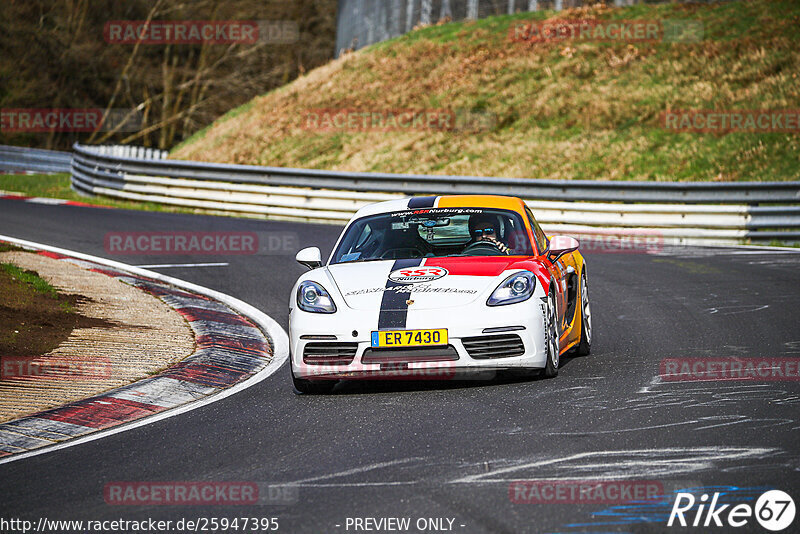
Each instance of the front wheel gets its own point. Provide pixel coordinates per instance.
(551, 338)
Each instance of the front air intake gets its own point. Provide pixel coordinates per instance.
(329, 353)
(486, 347)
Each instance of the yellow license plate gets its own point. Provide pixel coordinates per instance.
(409, 338)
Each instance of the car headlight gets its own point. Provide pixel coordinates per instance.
(312, 297)
(516, 288)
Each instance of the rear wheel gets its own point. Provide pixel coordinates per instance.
(585, 345)
(551, 338)
(311, 387)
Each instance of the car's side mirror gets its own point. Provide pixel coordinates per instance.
(560, 245)
(310, 257)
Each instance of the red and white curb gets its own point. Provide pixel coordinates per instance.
(49, 201)
(237, 347)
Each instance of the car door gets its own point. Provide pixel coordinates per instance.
(558, 269)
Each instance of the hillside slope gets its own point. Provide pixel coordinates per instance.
(563, 108)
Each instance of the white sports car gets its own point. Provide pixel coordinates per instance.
(438, 287)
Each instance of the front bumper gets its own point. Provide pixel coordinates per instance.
(353, 328)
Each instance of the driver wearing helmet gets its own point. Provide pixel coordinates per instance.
(485, 228)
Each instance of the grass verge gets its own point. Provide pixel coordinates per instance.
(58, 186)
(34, 316)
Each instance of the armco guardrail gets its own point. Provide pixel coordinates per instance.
(129, 151)
(21, 159)
(675, 211)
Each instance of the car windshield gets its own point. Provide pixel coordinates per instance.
(434, 232)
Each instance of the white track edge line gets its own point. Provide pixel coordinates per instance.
(278, 337)
(166, 265)
(767, 248)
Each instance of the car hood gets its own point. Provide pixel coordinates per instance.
(443, 282)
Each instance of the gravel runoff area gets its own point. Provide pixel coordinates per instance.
(147, 336)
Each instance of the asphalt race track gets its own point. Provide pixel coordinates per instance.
(450, 450)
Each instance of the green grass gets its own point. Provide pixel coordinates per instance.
(779, 243)
(58, 186)
(29, 277)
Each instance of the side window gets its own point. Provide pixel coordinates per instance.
(362, 239)
(541, 239)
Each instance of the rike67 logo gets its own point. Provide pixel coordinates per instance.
(414, 275)
(774, 510)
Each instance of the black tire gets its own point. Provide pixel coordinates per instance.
(585, 345)
(311, 387)
(551, 339)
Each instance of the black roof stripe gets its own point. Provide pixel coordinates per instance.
(422, 202)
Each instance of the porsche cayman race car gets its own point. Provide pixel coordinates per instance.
(438, 287)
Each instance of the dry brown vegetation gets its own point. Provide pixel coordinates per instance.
(53, 55)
